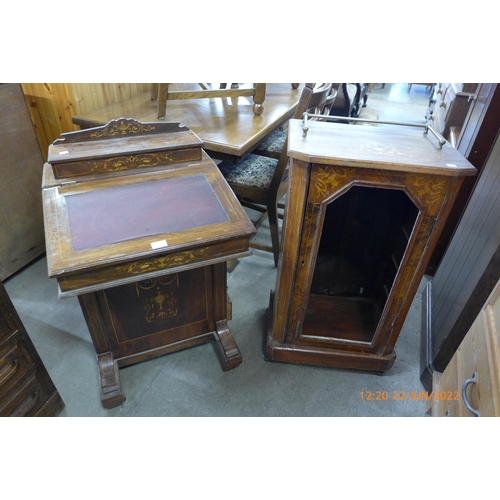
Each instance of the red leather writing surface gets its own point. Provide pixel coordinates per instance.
(121, 213)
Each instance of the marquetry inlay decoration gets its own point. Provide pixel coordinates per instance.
(123, 127)
(136, 161)
(164, 262)
(158, 297)
(328, 180)
(429, 189)
(117, 164)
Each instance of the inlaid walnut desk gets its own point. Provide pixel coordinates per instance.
(139, 224)
(365, 206)
(228, 127)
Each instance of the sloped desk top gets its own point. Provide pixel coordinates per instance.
(112, 230)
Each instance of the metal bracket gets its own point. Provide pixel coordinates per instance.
(427, 128)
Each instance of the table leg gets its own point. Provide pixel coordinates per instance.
(258, 98)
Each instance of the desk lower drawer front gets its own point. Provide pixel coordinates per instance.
(7, 324)
(26, 400)
(15, 362)
(24, 387)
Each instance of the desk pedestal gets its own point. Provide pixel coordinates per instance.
(140, 225)
(143, 320)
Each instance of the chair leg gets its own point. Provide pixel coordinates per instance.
(162, 100)
(259, 98)
(154, 91)
(272, 213)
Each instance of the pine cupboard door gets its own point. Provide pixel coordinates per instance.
(470, 384)
(447, 384)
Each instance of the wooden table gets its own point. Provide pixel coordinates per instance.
(139, 224)
(228, 127)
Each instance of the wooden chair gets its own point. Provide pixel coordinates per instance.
(332, 96)
(259, 181)
(273, 144)
(162, 93)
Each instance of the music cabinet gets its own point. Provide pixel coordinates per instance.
(140, 224)
(364, 208)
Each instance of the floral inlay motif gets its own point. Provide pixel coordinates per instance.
(328, 180)
(159, 263)
(122, 127)
(428, 189)
(158, 297)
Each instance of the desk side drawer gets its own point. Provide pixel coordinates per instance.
(7, 324)
(15, 363)
(25, 400)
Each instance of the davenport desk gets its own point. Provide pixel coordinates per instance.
(139, 224)
(365, 206)
(228, 127)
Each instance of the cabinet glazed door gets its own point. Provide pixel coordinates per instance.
(363, 237)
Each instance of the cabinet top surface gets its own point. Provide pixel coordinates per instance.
(385, 147)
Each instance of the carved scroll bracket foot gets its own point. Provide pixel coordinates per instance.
(109, 379)
(225, 346)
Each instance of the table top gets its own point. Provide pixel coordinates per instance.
(227, 126)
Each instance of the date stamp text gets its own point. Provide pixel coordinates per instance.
(409, 395)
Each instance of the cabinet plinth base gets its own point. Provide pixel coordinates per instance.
(322, 356)
(291, 353)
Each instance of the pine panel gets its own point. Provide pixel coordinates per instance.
(53, 105)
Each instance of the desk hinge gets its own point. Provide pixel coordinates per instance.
(68, 183)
